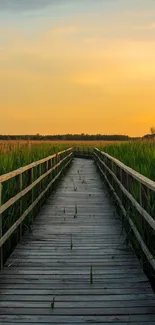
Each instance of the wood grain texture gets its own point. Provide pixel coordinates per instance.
(45, 267)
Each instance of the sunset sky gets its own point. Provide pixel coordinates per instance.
(73, 66)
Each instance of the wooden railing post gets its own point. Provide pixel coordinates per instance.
(64, 162)
(61, 165)
(31, 178)
(46, 170)
(140, 194)
(121, 180)
(47, 165)
(54, 163)
(127, 181)
(58, 159)
(1, 230)
(112, 168)
(40, 185)
(51, 174)
(20, 187)
(130, 184)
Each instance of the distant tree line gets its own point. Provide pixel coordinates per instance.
(151, 135)
(67, 137)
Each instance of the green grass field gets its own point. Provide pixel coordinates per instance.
(137, 155)
(18, 154)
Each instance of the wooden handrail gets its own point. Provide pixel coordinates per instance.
(139, 208)
(139, 177)
(55, 163)
(106, 168)
(5, 177)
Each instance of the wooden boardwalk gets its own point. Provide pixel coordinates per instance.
(75, 267)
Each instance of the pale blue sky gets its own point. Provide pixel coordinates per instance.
(31, 16)
(23, 9)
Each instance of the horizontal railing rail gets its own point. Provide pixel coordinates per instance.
(135, 196)
(83, 151)
(49, 169)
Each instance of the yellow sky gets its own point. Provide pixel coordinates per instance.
(82, 73)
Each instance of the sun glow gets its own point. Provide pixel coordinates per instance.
(78, 72)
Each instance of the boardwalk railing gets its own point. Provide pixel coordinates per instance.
(83, 151)
(33, 182)
(135, 196)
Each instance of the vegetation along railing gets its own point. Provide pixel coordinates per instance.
(135, 196)
(22, 192)
(83, 151)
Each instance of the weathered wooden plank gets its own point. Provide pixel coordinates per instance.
(79, 311)
(120, 319)
(79, 304)
(75, 291)
(63, 250)
(77, 281)
(50, 271)
(75, 285)
(82, 272)
(82, 298)
(81, 323)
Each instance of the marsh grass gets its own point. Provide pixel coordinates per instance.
(139, 155)
(15, 155)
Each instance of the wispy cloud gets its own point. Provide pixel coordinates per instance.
(20, 5)
(150, 26)
(65, 30)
